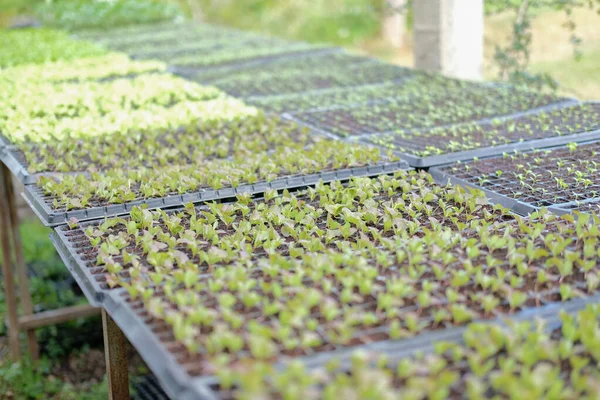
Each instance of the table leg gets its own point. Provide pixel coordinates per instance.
(115, 351)
(24, 293)
(7, 269)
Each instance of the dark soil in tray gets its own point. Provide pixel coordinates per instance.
(79, 240)
(495, 362)
(584, 207)
(541, 178)
(301, 102)
(428, 317)
(167, 44)
(183, 146)
(207, 48)
(306, 62)
(432, 107)
(236, 59)
(559, 122)
(327, 77)
(456, 294)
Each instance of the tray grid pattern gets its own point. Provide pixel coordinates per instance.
(539, 178)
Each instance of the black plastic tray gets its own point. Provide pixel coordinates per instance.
(35, 197)
(176, 382)
(297, 118)
(517, 206)
(344, 77)
(8, 156)
(195, 73)
(572, 207)
(432, 161)
(180, 385)
(513, 205)
(94, 291)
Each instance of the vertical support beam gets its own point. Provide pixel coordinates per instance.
(394, 23)
(10, 293)
(448, 37)
(24, 293)
(115, 352)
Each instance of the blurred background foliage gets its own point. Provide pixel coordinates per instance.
(544, 43)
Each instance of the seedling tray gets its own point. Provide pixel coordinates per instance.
(208, 47)
(414, 112)
(174, 368)
(293, 103)
(196, 72)
(572, 195)
(535, 292)
(327, 77)
(12, 158)
(590, 205)
(548, 135)
(311, 63)
(41, 203)
(515, 206)
(308, 61)
(190, 41)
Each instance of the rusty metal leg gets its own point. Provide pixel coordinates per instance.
(24, 293)
(115, 351)
(7, 269)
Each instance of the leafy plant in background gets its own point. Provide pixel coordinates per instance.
(513, 59)
(42, 45)
(78, 14)
(26, 380)
(333, 21)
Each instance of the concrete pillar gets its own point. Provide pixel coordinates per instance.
(448, 37)
(394, 23)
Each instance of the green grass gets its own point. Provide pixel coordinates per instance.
(26, 380)
(578, 78)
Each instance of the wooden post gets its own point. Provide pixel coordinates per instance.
(24, 293)
(394, 23)
(115, 352)
(7, 269)
(448, 37)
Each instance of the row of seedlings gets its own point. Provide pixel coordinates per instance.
(378, 260)
(205, 160)
(332, 74)
(441, 145)
(103, 15)
(195, 39)
(565, 177)
(241, 55)
(438, 102)
(197, 48)
(128, 38)
(527, 360)
(123, 141)
(36, 111)
(28, 46)
(330, 58)
(298, 103)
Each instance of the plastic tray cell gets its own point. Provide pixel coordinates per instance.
(302, 62)
(327, 77)
(563, 177)
(444, 106)
(550, 126)
(181, 376)
(42, 204)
